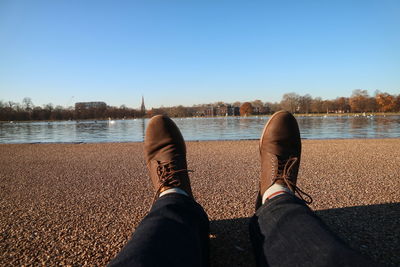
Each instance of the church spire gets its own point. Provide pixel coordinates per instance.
(143, 108)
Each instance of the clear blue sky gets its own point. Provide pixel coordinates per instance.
(190, 52)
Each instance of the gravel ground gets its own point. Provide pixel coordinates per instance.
(78, 204)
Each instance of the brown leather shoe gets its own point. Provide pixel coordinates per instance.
(165, 155)
(280, 151)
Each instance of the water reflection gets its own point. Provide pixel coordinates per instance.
(224, 128)
(143, 128)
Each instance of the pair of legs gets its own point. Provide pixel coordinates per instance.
(284, 231)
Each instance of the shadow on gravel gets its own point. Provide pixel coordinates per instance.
(230, 243)
(373, 230)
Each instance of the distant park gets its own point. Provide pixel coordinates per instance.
(359, 102)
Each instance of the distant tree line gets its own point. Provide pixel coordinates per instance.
(359, 101)
(11, 111)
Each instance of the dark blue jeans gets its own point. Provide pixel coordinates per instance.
(284, 232)
(174, 233)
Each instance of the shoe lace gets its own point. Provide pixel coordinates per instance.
(167, 176)
(285, 167)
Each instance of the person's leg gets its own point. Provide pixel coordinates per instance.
(175, 232)
(284, 231)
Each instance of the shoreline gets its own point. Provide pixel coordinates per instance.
(350, 114)
(71, 204)
(193, 141)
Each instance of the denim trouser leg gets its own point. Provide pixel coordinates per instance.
(174, 233)
(286, 232)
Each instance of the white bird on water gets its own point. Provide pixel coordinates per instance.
(110, 121)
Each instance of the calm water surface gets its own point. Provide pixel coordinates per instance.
(229, 128)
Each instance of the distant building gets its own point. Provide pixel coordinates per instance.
(227, 110)
(220, 110)
(143, 107)
(233, 111)
(209, 112)
(80, 106)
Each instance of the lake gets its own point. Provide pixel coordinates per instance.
(193, 129)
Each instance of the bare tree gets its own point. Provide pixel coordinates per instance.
(272, 107)
(27, 103)
(258, 106)
(317, 105)
(342, 104)
(305, 103)
(290, 102)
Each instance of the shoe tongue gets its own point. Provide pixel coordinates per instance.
(283, 157)
(175, 159)
(280, 152)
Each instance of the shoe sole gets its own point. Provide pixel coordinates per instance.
(266, 126)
